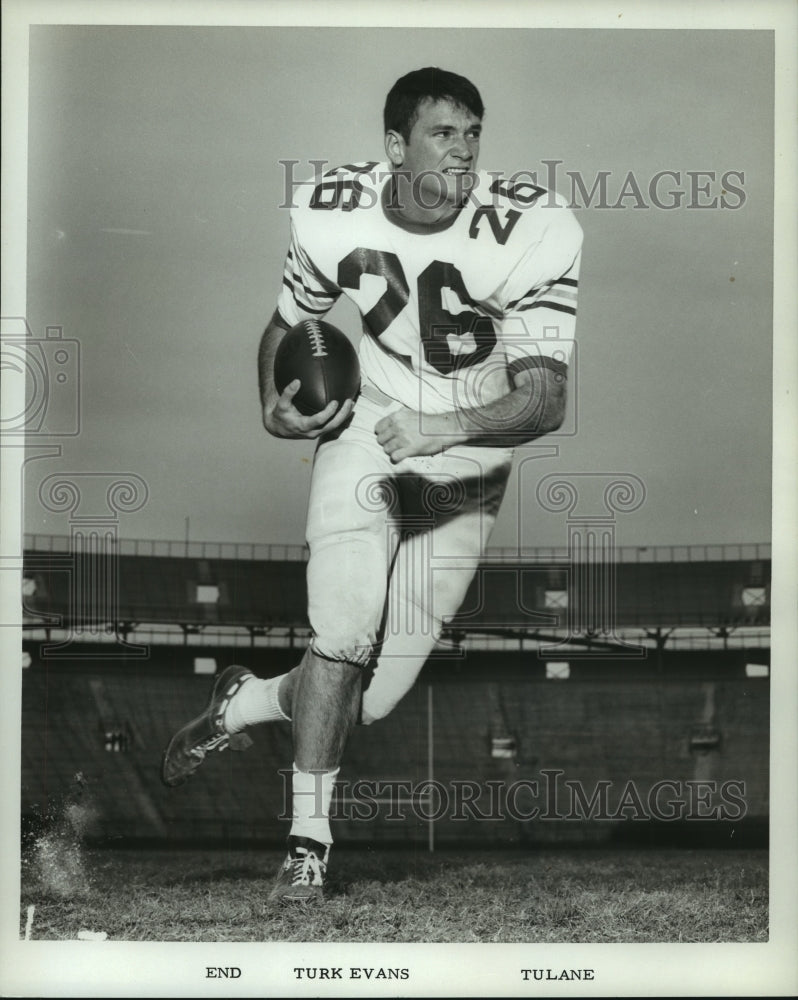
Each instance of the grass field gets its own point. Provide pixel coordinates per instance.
(390, 895)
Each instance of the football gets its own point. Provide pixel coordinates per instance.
(323, 359)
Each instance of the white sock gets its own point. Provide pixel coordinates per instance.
(311, 804)
(255, 702)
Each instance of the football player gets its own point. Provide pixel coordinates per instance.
(466, 283)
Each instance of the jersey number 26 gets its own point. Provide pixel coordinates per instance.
(436, 323)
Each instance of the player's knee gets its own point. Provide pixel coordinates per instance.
(375, 709)
(383, 695)
(343, 647)
(367, 717)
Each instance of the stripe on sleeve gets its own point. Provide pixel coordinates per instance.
(318, 309)
(550, 288)
(547, 304)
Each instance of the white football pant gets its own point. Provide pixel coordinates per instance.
(393, 549)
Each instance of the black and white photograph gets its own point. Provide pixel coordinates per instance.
(398, 446)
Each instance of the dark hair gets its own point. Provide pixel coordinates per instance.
(404, 97)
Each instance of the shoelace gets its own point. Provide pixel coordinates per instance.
(306, 866)
(212, 743)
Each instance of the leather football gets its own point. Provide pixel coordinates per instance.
(325, 361)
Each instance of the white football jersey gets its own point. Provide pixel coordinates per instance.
(449, 310)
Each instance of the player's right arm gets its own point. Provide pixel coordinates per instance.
(305, 294)
(280, 417)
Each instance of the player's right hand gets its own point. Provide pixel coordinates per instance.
(282, 419)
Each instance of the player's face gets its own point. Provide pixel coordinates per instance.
(441, 156)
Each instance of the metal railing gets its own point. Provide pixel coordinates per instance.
(269, 552)
(275, 552)
(688, 638)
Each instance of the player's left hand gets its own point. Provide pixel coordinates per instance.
(401, 435)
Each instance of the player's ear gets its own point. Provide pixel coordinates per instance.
(395, 148)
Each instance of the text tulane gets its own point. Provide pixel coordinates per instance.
(566, 975)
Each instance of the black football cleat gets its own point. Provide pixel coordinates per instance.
(301, 878)
(190, 745)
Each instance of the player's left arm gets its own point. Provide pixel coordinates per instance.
(534, 407)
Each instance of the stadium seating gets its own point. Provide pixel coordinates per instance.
(592, 728)
(480, 720)
(506, 594)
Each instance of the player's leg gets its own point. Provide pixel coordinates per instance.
(351, 549)
(352, 504)
(454, 515)
(347, 576)
(278, 698)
